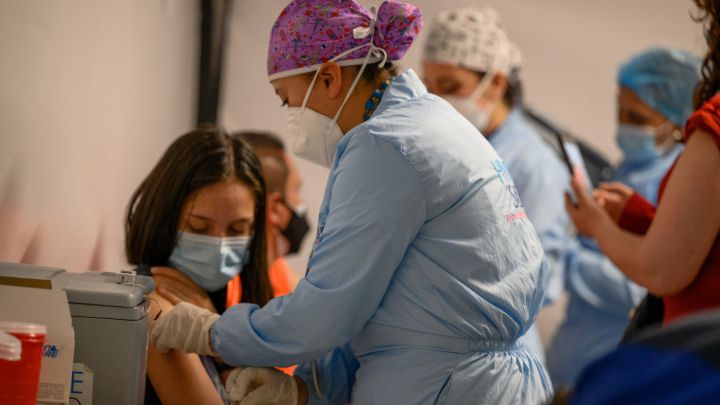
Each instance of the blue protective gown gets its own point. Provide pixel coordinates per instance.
(424, 273)
(601, 296)
(541, 179)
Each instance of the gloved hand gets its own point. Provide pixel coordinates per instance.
(185, 328)
(254, 385)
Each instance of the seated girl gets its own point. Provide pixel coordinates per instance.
(201, 211)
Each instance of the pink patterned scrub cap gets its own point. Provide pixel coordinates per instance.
(308, 33)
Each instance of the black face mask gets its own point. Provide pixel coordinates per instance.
(296, 230)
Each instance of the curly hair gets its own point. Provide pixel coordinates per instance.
(708, 16)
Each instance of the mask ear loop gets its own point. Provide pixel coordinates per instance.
(675, 136)
(484, 83)
(309, 90)
(489, 75)
(358, 33)
(361, 33)
(660, 129)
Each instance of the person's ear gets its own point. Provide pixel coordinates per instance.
(275, 205)
(330, 79)
(498, 86)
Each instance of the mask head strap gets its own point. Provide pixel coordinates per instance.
(374, 51)
(490, 72)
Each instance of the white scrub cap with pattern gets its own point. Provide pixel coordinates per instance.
(472, 38)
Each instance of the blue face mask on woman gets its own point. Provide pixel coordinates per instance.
(209, 261)
(637, 143)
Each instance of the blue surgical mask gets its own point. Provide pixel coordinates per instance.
(637, 143)
(209, 261)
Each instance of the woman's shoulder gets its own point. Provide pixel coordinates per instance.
(705, 119)
(158, 303)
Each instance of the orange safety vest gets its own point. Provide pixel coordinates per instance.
(279, 275)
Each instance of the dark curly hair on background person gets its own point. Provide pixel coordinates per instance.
(710, 84)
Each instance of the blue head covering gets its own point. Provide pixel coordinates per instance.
(664, 79)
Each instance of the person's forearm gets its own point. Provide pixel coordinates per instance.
(302, 391)
(626, 251)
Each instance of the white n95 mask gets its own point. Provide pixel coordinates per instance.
(313, 136)
(209, 261)
(467, 105)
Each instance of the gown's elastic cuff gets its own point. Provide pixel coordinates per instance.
(306, 376)
(215, 339)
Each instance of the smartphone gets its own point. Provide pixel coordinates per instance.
(576, 160)
(564, 153)
(572, 156)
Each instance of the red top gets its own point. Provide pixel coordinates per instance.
(704, 292)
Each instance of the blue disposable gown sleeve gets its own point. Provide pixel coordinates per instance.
(542, 186)
(595, 279)
(376, 207)
(335, 376)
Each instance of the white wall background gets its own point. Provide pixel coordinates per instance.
(91, 93)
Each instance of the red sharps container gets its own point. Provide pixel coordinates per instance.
(21, 348)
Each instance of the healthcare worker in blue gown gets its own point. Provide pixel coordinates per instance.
(655, 99)
(425, 269)
(470, 61)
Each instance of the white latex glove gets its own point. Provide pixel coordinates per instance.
(254, 385)
(186, 328)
